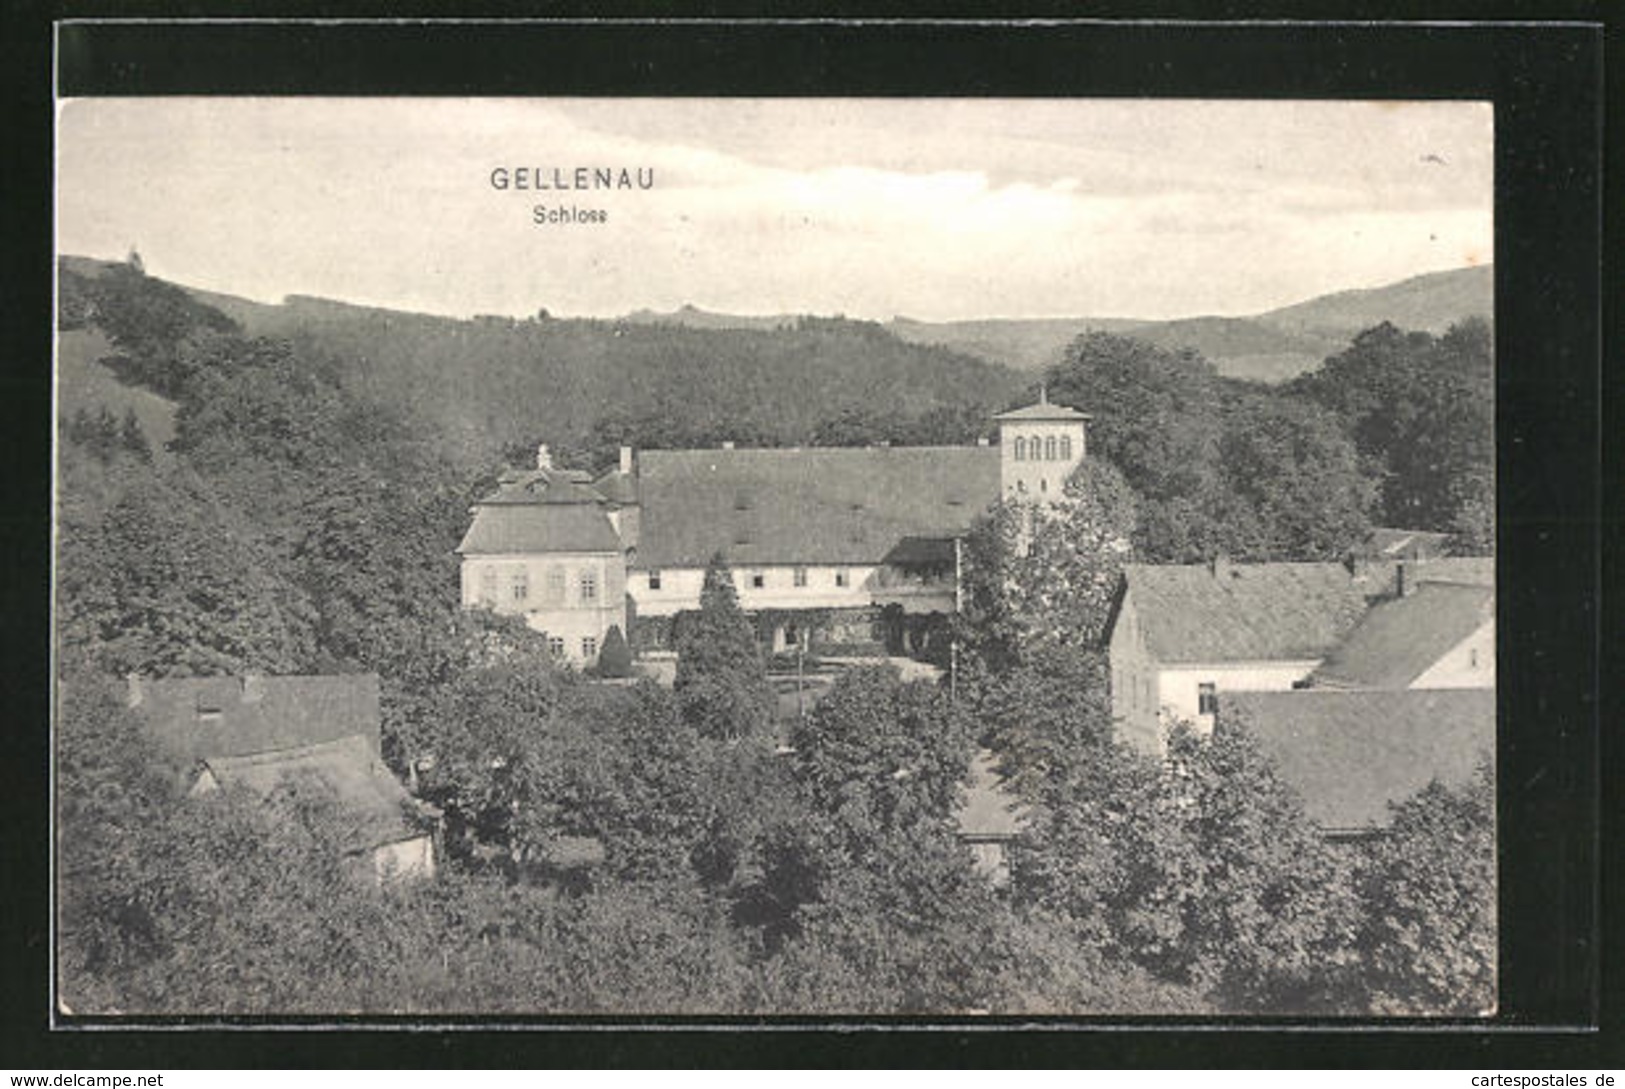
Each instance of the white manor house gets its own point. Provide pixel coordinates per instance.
(829, 546)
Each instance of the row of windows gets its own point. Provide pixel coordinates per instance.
(589, 646)
(1049, 448)
(555, 590)
(758, 579)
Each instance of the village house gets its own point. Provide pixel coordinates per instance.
(829, 547)
(311, 735)
(1183, 637)
(1350, 755)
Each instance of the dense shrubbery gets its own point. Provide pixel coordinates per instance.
(301, 527)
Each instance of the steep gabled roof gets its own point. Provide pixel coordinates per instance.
(1245, 612)
(1398, 640)
(1349, 754)
(206, 718)
(371, 802)
(807, 506)
(539, 527)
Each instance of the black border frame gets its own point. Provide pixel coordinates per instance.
(1547, 82)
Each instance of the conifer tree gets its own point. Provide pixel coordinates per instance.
(721, 681)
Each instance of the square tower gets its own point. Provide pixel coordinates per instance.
(1039, 446)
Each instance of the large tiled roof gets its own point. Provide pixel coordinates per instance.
(212, 717)
(1349, 754)
(1398, 640)
(538, 526)
(808, 506)
(370, 800)
(1246, 612)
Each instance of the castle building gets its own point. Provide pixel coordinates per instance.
(830, 547)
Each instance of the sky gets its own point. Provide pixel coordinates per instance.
(935, 209)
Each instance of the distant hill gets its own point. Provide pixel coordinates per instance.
(1272, 346)
(1429, 303)
(486, 383)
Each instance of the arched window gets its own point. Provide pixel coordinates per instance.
(1021, 449)
(1049, 448)
(1066, 447)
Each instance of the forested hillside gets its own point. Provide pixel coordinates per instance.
(489, 383)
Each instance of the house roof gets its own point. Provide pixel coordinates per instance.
(369, 799)
(1462, 570)
(1398, 640)
(1390, 543)
(922, 552)
(617, 487)
(819, 505)
(528, 487)
(989, 808)
(1349, 754)
(1043, 411)
(1246, 612)
(213, 717)
(500, 528)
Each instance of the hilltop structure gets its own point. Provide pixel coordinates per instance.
(829, 546)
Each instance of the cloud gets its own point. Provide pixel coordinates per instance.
(934, 208)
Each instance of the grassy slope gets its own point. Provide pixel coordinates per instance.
(83, 382)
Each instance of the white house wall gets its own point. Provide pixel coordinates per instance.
(563, 616)
(1179, 687)
(680, 589)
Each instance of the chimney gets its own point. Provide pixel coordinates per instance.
(134, 692)
(253, 687)
(544, 457)
(1219, 565)
(626, 460)
(727, 444)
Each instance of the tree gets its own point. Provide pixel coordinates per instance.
(1038, 575)
(1428, 940)
(721, 683)
(1298, 476)
(615, 660)
(1421, 411)
(1203, 870)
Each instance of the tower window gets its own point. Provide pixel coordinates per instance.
(1049, 448)
(1021, 448)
